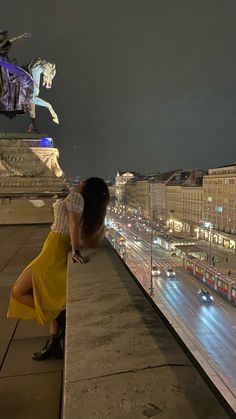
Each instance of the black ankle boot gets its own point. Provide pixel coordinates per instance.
(51, 349)
(61, 321)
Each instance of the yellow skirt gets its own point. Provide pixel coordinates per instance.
(49, 273)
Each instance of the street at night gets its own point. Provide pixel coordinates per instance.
(211, 326)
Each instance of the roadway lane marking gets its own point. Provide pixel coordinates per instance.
(224, 310)
(191, 311)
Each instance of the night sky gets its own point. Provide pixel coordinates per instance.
(141, 85)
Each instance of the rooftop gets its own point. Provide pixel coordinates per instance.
(122, 360)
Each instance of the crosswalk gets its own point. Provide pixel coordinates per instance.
(163, 264)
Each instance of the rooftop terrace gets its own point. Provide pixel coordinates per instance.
(121, 360)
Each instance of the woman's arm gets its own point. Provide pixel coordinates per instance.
(74, 222)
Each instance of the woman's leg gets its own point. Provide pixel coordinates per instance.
(54, 328)
(23, 289)
(57, 326)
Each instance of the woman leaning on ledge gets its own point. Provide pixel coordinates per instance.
(40, 291)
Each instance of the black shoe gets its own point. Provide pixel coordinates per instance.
(51, 349)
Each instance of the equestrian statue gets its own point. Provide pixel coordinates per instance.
(19, 85)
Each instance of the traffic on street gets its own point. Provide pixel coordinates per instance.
(208, 316)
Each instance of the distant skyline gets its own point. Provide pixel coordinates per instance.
(141, 85)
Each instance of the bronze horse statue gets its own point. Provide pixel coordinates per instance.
(19, 86)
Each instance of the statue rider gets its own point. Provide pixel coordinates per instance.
(19, 86)
(11, 93)
(6, 43)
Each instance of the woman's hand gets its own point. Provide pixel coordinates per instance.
(77, 257)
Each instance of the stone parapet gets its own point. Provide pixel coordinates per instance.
(22, 135)
(121, 361)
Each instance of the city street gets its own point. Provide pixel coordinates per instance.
(224, 259)
(212, 324)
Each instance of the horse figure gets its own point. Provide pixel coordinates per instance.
(24, 82)
(37, 68)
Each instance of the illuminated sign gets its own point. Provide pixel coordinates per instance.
(46, 142)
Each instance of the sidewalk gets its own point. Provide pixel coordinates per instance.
(216, 251)
(222, 254)
(28, 389)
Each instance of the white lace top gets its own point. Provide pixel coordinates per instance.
(73, 202)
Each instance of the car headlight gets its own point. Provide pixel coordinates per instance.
(173, 273)
(211, 298)
(204, 298)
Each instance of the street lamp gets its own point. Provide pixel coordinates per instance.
(151, 247)
(209, 227)
(210, 250)
(151, 276)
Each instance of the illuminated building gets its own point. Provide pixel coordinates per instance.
(219, 204)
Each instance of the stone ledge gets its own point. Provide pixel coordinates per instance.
(121, 361)
(21, 135)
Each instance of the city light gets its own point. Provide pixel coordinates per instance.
(46, 142)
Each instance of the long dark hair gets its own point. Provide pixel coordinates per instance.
(96, 198)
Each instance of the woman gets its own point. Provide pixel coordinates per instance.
(40, 291)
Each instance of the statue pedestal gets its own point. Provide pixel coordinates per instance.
(30, 178)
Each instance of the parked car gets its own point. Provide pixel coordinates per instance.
(136, 239)
(204, 295)
(169, 272)
(156, 271)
